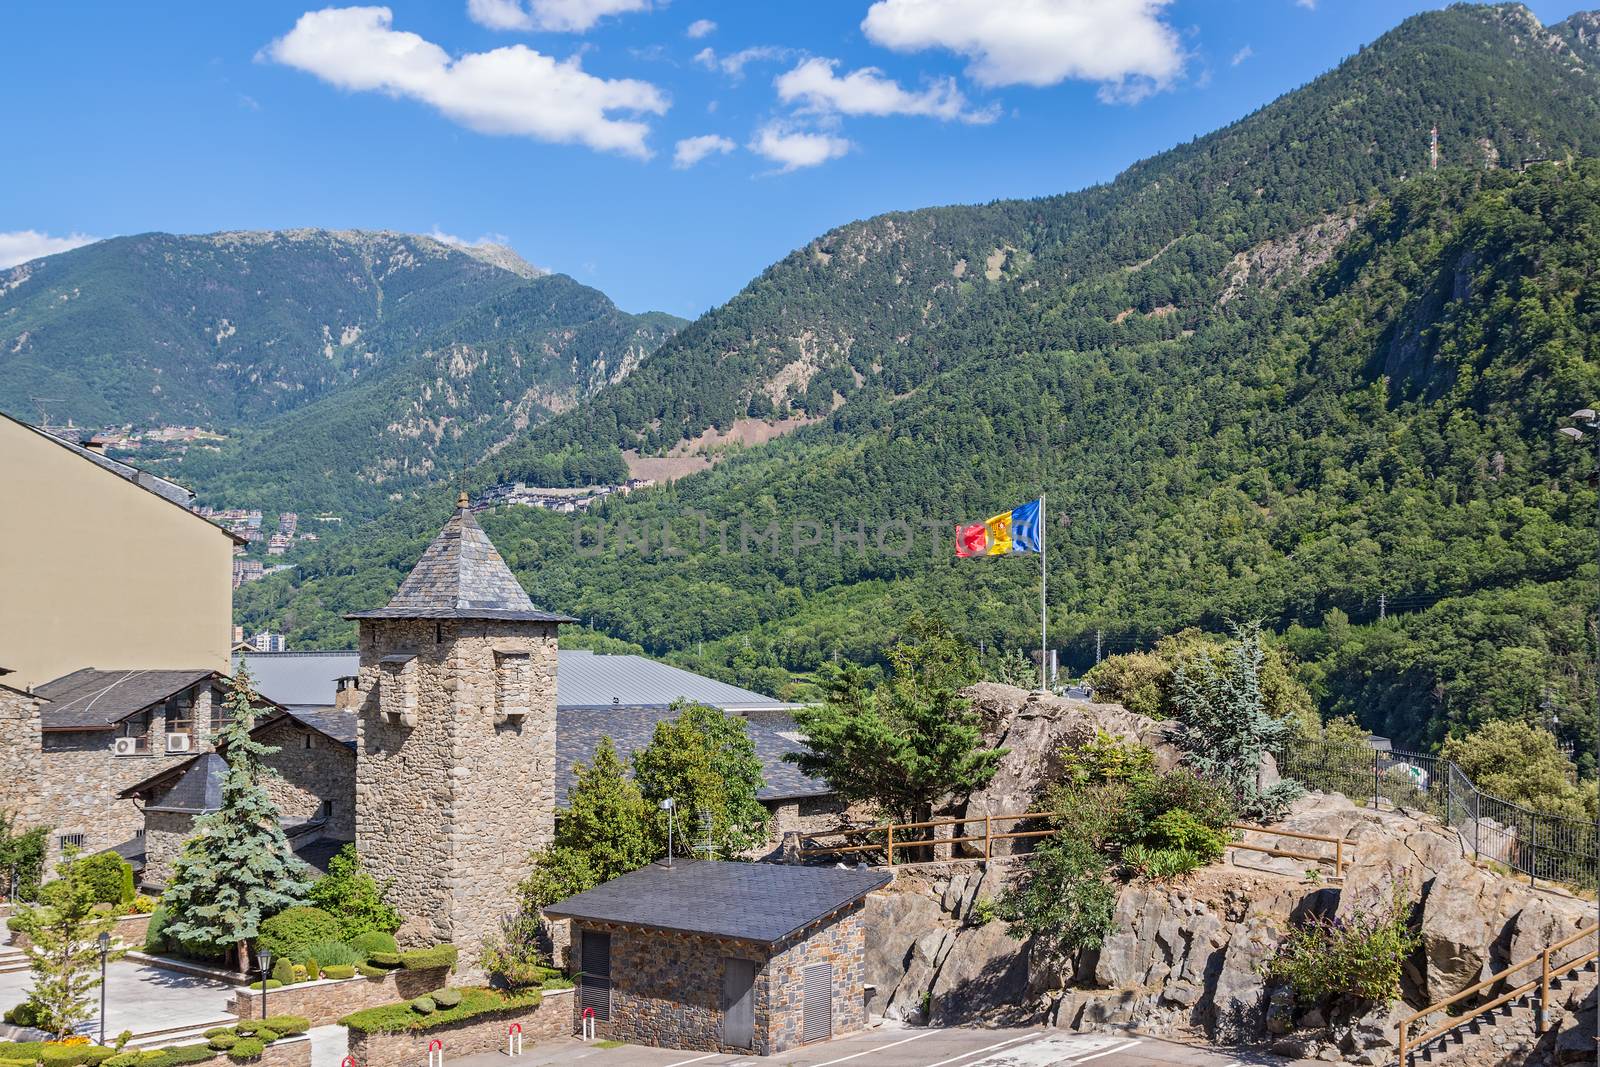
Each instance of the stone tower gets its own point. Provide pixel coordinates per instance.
(455, 769)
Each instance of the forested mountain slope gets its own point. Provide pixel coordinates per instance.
(1276, 372)
(344, 365)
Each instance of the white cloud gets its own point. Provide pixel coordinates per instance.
(1309, 5)
(514, 91)
(568, 16)
(700, 28)
(19, 246)
(1123, 44)
(1242, 54)
(692, 150)
(815, 87)
(733, 63)
(488, 240)
(792, 149)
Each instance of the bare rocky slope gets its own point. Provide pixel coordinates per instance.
(1187, 956)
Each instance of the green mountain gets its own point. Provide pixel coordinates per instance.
(345, 366)
(1280, 371)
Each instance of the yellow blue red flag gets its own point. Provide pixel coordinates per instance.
(1017, 530)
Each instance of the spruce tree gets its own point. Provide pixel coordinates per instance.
(1224, 727)
(238, 868)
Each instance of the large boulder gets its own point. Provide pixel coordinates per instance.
(1385, 852)
(984, 976)
(1463, 927)
(894, 923)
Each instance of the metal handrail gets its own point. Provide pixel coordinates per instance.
(1547, 973)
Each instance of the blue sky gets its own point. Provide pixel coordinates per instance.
(665, 152)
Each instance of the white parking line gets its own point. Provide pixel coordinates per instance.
(988, 1048)
(877, 1048)
(1107, 1052)
(697, 1059)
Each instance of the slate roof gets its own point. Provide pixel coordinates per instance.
(762, 902)
(91, 699)
(197, 788)
(583, 679)
(332, 723)
(461, 576)
(579, 730)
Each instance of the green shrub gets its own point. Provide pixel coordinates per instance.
(177, 1055)
(108, 875)
(123, 1059)
(339, 970)
(1358, 957)
(247, 1049)
(267, 1035)
(313, 969)
(1064, 897)
(74, 1055)
(224, 1041)
(290, 932)
(23, 1014)
(1105, 757)
(424, 1006)
(400, 1019)
(144, 905)
(1159, 864)
(247, 1027)
(218, 1030)
(390, 960)
(154, 934)
(331, 952)
(287, 1025)
(418, 959)
(354, 897)
(283, 971)
(365, 944)
(367, 970)
(272, 983)
(446, 998)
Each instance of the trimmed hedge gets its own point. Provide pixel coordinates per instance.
(384, 959)
(339, 970)
(418, 959)
(289, 933)
(402, 1018)
(446, 998)
(365, 944)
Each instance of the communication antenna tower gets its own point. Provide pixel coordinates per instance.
(1433, 148)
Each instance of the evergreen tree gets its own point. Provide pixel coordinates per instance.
(904, 744)
(238, 868)
(705, 761)
(1223, 726)
(63, 932)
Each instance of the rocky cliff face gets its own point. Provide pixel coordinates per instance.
(1187, 957)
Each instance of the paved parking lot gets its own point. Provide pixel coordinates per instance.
(142, 999)
(897, 1047)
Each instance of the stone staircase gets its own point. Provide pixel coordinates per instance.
(1507, 1035)
(12, 959)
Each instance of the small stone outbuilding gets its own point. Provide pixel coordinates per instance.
(722, 957)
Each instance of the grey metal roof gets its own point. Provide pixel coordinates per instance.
(91, 699)
(579, 730)
(762, 902)
(590, 679)
(583, 679)
(298, 677)
(196, 789)
(461, 576)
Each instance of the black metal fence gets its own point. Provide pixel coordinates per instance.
(1541, 846)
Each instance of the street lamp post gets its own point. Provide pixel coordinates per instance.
(265, 956)
(669, 806)
(1590, 421)
(104, 941)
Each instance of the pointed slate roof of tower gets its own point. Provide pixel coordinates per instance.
(461, 576)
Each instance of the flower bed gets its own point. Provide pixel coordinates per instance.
(383, 1036)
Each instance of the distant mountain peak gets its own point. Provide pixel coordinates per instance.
(496, 255)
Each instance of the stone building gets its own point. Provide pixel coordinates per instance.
(314, 789)
(723, 957)
(21, 755)
(456, 751)
(92, 734)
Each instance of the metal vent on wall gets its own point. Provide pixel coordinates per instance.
(594, 990)
(818, 1009)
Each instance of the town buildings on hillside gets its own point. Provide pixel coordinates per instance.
(563, 499)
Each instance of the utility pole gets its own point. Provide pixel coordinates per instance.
(1433, 148)
(1098, 634)
(1383, 606)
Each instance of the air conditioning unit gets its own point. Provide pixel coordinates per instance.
(179, 742)
(125, 746)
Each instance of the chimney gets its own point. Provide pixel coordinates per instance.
(347, 693)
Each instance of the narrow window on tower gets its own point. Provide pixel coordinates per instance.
(513, 677)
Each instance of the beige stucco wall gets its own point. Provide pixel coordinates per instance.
(96, 571)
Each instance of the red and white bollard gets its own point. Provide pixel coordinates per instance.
(514, 1039)
(588, 1024)
(436, 1053)
(348, 1061)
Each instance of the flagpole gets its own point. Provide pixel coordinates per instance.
(1044, 615)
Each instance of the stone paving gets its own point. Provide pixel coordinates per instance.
(143, 999)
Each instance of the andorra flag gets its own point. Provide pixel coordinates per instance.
(1017, 530)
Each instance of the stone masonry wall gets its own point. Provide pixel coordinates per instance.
(326, 1002)
(667, 991)
(842, 944)
(447, 809)
(21, 761)
(312, 768)
(551, 1018)
(164, 835)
